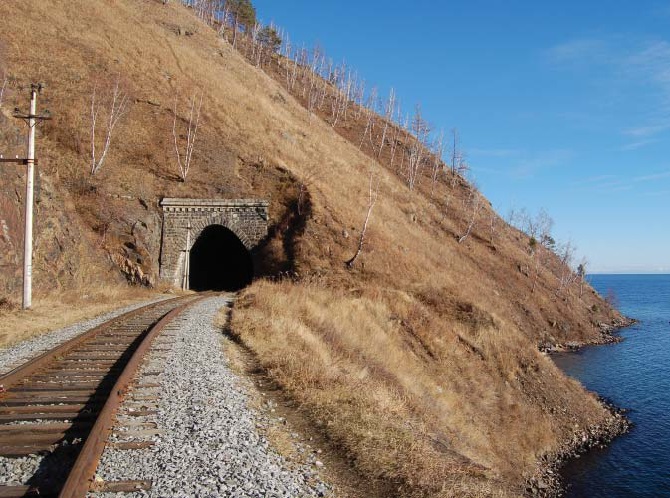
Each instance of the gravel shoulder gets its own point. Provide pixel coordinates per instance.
(17, 354)
(210, 442)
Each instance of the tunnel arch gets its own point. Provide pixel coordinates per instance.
(219, 260)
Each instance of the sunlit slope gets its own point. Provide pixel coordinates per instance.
(431, 341)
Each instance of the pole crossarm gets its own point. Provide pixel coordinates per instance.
(17, 160)
(43, 117)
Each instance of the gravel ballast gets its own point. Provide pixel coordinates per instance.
(21, 352)
(211, 442)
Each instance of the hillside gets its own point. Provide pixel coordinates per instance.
(420, 364)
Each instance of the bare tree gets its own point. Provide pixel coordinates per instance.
(184, 163)
(420, 132)
(459, 166)
(372, 198)
(543, 225)
(224, 19)
(370, 121)
(396, 134)
(342, 88)
(256, 47)
(537, 227)
(2, 88)
(474, 204)
(565, 273)
(535, 254)
(511, 216)
(405, 147)
(115, 106)
(438, 150)
(455, 150)
(388, 116)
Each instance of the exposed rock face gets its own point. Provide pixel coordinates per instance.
(62, 253)
(132, 270)
(11, 240)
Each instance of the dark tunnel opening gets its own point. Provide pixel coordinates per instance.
(219, 261)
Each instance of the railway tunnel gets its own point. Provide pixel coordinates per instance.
(219, 261)
(211, 244)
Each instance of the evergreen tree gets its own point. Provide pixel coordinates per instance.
(243, 12)
(269, 38)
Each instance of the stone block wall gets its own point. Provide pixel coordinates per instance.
(246, 218)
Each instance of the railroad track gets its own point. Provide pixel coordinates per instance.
(62, 404)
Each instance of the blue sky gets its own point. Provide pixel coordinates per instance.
(563, 106)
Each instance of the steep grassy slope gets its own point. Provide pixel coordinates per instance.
(421, 364)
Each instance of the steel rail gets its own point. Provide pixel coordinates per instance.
(66, 382)
(81, 475)
(15, 376)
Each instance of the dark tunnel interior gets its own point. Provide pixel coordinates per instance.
(219, 261)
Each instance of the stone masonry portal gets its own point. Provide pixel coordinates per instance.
(185, 219)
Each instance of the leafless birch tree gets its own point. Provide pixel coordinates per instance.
(544, 224)
(396, 135)
(405, 144)
(256, 46)
(114, 105)
(389, 109)
(438, 150)
(474, 205)
(417, 148)
(565, 273)
(459, 166)
(291, 67)
(359, 99)
(224, 20)
(370, 118)
(455, 150)
(184, 160)
(2, 88)
(372, 199)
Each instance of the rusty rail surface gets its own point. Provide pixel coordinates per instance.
(72, 393)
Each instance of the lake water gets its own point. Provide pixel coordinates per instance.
(634, 374)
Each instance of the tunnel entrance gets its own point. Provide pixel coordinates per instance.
(219, 261)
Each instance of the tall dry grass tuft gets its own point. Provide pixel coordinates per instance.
(434, 402)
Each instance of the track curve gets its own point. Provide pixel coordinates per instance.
(62, 403)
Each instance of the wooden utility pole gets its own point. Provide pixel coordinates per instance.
(31, 119)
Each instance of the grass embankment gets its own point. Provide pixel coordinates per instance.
(433, 405)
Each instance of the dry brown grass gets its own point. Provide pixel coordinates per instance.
(421, 364)
(248, 138)
(52, 312)
(438, 405)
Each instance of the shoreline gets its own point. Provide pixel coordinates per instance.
(547, 481)
(608, 334)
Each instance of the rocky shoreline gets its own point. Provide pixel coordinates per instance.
(607, 334)
(547, 482)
